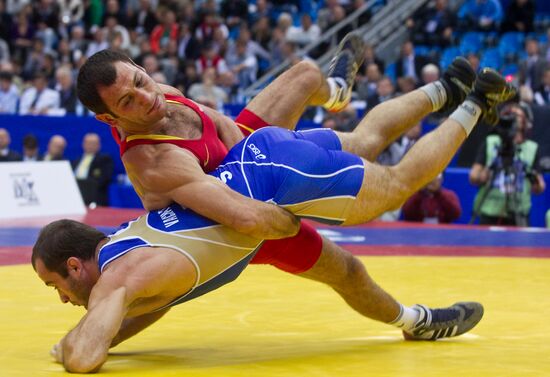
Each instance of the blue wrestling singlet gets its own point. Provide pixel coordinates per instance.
(219, 253)
(305, 172)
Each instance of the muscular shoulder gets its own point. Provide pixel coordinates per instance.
(167, 89)
(161, 167)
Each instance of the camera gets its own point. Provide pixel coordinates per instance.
(507, 129)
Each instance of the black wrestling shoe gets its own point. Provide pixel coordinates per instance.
(490, 90)
(446, 322)
(457, 80)
(343, 68)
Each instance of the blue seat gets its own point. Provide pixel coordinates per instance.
(471, 42)
(390, 71)
(491, 58)
(509, 69)
(448, 56)
(511, 44)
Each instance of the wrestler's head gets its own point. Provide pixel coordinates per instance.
(120, 92)
(64, 257)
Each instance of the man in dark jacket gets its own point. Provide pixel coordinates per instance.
(93, 171)
(6, 154)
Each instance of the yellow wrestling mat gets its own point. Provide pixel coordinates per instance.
(269, 323)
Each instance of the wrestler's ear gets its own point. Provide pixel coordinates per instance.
(74, 265)
(107, 118)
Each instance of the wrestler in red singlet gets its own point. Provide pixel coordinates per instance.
(296, 254)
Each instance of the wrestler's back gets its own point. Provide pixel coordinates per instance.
(185, 248)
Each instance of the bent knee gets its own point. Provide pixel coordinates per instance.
(308, 72)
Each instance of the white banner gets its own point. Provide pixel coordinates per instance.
(32, 189)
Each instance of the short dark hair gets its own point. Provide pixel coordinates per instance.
(98, 71)
(62, 239)
(30, 141)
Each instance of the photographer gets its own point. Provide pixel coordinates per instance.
(507, 169)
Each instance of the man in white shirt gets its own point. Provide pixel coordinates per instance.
(39, 99)
(9, 95)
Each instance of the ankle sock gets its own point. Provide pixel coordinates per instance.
(406, 319)
(467, 114)
(436, 93)
(334, 83)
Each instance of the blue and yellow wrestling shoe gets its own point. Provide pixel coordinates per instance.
(435, 324)
(343, 68)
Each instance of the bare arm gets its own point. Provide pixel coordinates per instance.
(84, 349)
(134, 325)
(177, 175)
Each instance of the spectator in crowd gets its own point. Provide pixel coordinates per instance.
(325, 15)
(235, 13)
(432, 25)
(78, 42)
(5, 22)
(7, 154)
(430, 73)
(67, 91)
(243, 64)
(56, 149)
(485, 15)
(39, 99)
(304, 34)
(507, 171)
(94, 171)
(261, 32)
(531, 69)
(167, 30)
(9, 94)
(30, 148)
(410, 64)
(384, 92)
(210, 22)
(99, 41)
(5, 55)
(542, 96)
(405, 84)
(21, 35)
(34, 61)
(143, 20)
(367, 85)
(210, 58)
(114, 31)
(207, 92)
(262, 9)
(113, 9)
(433, 204)
(519, 16)
(284, 22)
(344, 121)
(474, 61)
(371, 58)
(188, 45)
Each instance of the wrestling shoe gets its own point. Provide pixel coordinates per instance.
(490, 90)
(446, 322)
(343, 68)
(457, 80)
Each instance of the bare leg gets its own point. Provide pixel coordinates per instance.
(349, 278)
(385, 123)
(387, 188)
(284, 101)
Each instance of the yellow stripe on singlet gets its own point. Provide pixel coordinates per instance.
(153, 137)
(172, 101)
(251, 130)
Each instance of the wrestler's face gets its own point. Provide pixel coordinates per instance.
(135, 100)
(75, 288)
